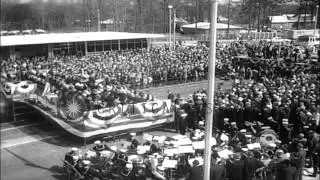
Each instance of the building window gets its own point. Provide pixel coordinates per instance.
(99, 46)
(115, 44)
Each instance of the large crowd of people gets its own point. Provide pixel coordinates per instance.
(285, 98)
(275, 87)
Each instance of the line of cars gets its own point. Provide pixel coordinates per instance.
(23, 32)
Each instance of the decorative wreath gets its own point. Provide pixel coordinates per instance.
(71, 105)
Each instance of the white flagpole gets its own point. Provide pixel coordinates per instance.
(174, 29)
(210, 104)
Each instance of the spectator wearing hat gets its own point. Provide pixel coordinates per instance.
(285, 131)
(234, 129)
(226, 125)
(242, 136)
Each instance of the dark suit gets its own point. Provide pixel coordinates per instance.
(217, 172)
(252, 165)
(196, 173)
(236, 170)
(287, 173)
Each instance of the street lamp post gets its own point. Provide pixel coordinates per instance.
(197, 17)
(316, 21)
(170, 12)
(99, 23)
(174, 29)
(228, 19)
(210, 104)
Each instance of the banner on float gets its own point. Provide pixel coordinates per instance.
(69, 111)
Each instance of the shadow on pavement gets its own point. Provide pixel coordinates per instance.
(53, 169)
(59, 176)
(57, 171)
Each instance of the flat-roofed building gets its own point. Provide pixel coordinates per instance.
(85, 43)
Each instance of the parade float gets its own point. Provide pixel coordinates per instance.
(85, 112)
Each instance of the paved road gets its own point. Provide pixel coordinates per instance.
(39, 160)
(185, 89)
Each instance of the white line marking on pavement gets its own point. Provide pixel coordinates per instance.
(25, 140)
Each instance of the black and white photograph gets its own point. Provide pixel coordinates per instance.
(160, 90)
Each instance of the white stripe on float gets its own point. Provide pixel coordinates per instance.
(124, 127)
(101, 122)
(86, 123)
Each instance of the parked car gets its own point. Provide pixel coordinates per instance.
(14, 32)
(28, 31)
(3, 33)
(40, 31)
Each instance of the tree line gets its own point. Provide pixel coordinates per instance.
(150, 16)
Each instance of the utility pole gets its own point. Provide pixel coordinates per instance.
(84, 15)
(264, 13)
(228, 19)
(298, 26)
(174, 29)
(170, 15)
(210, 105)
(117, 19)
(152, 17)
(316, 21)
(89, 14)
(124, 19)
(164, 16)
(305, 14)
(42, 14)
(250, 17)
(259, 12)
(99, 23)
(197, 8)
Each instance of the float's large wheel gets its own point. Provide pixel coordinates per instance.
(71, 105)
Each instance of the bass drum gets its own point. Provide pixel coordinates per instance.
(71, 106)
